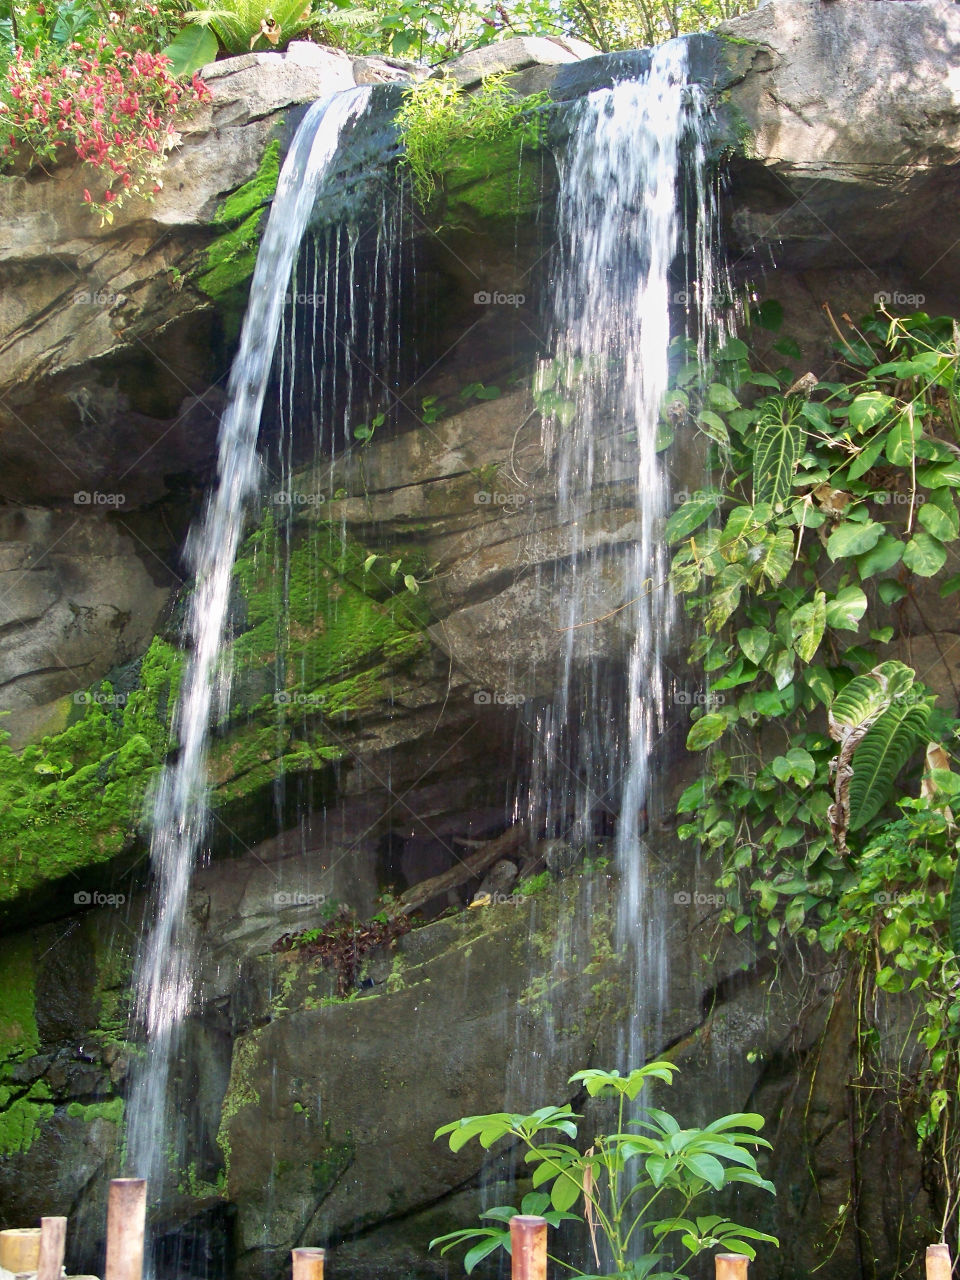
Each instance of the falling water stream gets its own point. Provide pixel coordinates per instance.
(164, 970)
(620, 226)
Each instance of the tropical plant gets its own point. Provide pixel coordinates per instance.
(237, 26)
(829, 773)
(638, 1185)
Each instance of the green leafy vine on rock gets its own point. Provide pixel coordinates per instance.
(828, 777)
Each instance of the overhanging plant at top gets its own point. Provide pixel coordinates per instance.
(640, 1186)
(238, 26)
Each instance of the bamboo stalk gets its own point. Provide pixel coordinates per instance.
(308, 1264)
(732, 1266)
(126, 1221)
(53, 1240)
(528, 1241)
(938, 1262)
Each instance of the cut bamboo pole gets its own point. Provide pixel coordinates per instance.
(126, 1220)
(732, 1266)
(938, 1262)
(19, 1248)
(53, 1241)
(308, 1264)
(528, 1242)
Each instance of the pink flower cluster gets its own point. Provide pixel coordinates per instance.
(114, 106)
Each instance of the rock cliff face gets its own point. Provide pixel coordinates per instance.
(842, 128)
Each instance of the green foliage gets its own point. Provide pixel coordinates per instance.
(827, 786)
(620, 1177)
(240, 25)
(443, 129)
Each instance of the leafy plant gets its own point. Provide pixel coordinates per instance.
(645, 1162)
(438, 124)
(104, 95)
(829, 774)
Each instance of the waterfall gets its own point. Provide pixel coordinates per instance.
(164, 968)
(600, 392)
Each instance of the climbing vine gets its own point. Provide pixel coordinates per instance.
(829, 773)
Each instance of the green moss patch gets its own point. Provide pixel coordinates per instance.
(232, 257)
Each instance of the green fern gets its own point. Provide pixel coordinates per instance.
(776, 452)
(885, 749)
(239, 24)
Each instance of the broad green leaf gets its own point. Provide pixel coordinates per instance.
(819, 683)
(733, 349)
(192, 49)
(721, 397)
(480, 1251)
(937, 522)
(776, 452)
(807, 625)
(924, 556)
(955, 912)
(693, 797)
(691, 515)
(865, 458)
(754, 641)
(773, 558)
(796, 766)
(947, 473)
(846, 609)
(884, 555)
(705, 731)
(885, 749)
(565, 1192)
(901, 441)
(868, 409)
(713, 426)
(890, 592)
(706, 1167)
(852, 539)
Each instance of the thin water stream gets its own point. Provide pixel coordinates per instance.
(180, 817)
